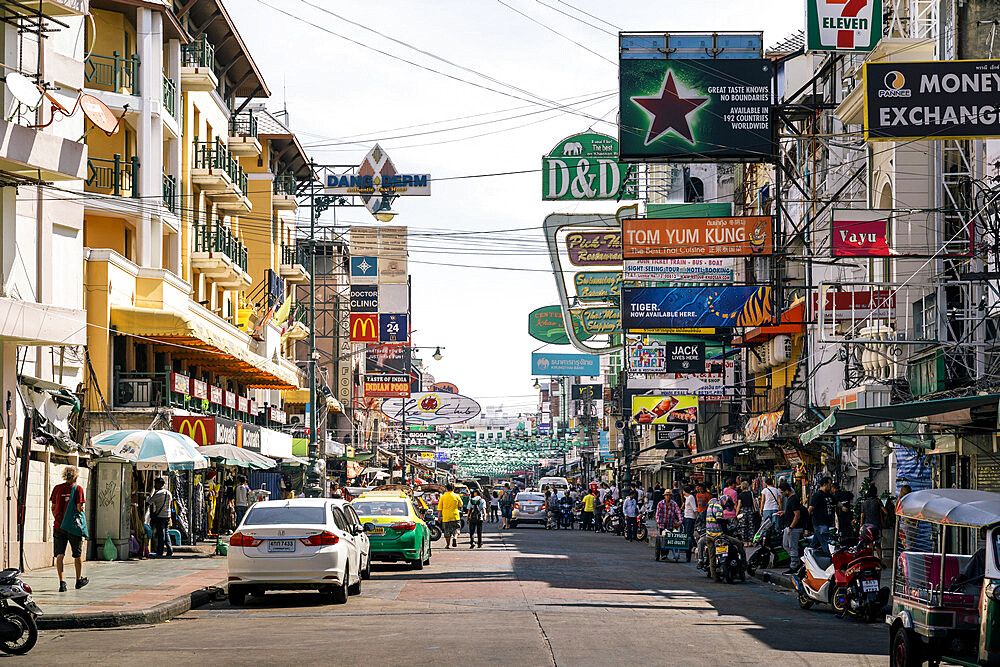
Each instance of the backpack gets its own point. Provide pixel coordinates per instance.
(475, 514)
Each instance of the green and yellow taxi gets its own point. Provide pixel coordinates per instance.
(397, 531)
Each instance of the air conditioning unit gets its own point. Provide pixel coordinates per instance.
(295, 419)
(134, 394)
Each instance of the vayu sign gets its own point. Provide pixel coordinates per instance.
(843, 25)
(585, 166)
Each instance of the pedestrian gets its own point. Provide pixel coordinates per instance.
(242, 498)
(770, 503)
(630, 508)
(821, 514)
(587, 515)
(551, 511)
(614, 492)
(67, 501)
(729, 500)
(702, 496)
(668, 515)
(449, 513)
(873, 514)
(475, 513)
(507, 504)
(690, 515)
(792, 522)
(842, 499)
(494, 507)
(599, 508)
(675, 491)
(160, 503)
(715, 527)
(746, 513)
(335, 490)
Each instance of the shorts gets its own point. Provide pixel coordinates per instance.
(59, 540)
(451, 527)
(507, 511)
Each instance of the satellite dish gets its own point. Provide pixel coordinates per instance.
(24, 90)
(98, 113)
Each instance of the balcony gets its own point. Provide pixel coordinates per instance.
(220, 256)
(243, 135)
(198, 66)
(170, 194)
(220, 175)
(284, 193)
(294, 263)
(114, 73)
(170, 96)
(116, 176)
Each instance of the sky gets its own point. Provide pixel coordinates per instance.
(343, 97)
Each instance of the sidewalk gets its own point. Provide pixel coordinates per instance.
(131, 592)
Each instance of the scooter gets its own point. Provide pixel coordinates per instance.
(613, 519)
(18, 630)
(728, 558)
(566, 516)
(849, 580)
(770, 551)
(432, 526)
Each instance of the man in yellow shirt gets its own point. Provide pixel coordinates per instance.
(449, 511)
(587, 516)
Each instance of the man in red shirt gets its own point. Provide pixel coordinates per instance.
(60, 500)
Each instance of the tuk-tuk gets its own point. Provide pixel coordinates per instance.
(946, 579)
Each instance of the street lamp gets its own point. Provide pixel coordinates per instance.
(537, 386)
(437, 354)
(383, 211)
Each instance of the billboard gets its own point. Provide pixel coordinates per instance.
(695, 110)
(948, 99)
(657, 309)
(364, 270)
(838, 25)
(599, 321)
(218, 431)
(585, 166)
(546, 324)
(595, 248)
(665, 409)
(431, 408)
(597, 285)
(364, 327)
(586, 392)
(685, 357)
(387, 358)
(679, 270)
(386, 385)
(364, 298)
(393, 327)
(697, 237)
(648, 357)
(565, 364)
(719, 380)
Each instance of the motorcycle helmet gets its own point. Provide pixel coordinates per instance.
(867, 534)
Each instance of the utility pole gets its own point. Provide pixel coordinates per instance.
(317, 488)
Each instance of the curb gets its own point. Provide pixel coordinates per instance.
(114, 619)
(780, 580)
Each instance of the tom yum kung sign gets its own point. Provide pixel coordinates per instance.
(697, 237)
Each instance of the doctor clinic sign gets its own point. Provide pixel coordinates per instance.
(585, 166)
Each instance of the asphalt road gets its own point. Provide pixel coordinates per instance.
(529, 597)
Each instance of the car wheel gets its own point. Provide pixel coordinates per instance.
(341, 592)
(903, 648)
(367, 572)
(237, 596)
(418, 564)
(513, 524)
(427, 561)
(355, 589)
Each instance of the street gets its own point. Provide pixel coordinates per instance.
(530, 597)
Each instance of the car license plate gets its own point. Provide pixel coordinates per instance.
(869, 586)
(721, 549)
(281, 545)
(377, 530)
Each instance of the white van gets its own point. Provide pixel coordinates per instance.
(554, 483)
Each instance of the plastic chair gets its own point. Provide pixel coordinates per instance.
(174, 536)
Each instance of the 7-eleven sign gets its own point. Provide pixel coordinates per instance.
(843, 25)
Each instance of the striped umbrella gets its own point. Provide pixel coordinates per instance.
(237, 456)
(152, 450)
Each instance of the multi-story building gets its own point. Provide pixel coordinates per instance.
(189, 227)
(43, 328)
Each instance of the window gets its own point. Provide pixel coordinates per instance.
(338, 518)
(376, 508)
(352, 518)
(271, 516)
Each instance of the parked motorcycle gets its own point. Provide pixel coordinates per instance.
(641, 530)
(18, 630)
(849, 580)
(614, 520)
(430, 518)
(770, 552)
(728, 560)
(566, 517)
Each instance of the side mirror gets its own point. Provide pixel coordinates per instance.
(368, 526)
(357, 530)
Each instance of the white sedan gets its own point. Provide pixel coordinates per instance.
(302, 543)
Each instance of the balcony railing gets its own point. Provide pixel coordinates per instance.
(215, 238)
(285, 184)
(293, 254)
(198, 53)
(215, 155)
(116, 73)
(116, 176)
(243, 125)
(170, 192)
(170, 95)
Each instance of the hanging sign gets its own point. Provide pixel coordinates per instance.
(585, 166)
(565, 364)
(586, 392)
(947, 99)
(546, 324)
(594, 248)
(364, 270)
(364, 298)
(664, 409)
(393, 327)
(386, 385)
(686, 357)
(697, 237)
(647, 357)
(695, 110)
(599, 321)
(679, 270)
(430, 408)
(598, 285)
(656, 309)
(842, 25)
(364, 327)
(180, 383)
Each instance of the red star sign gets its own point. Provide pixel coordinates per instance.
(669, 111)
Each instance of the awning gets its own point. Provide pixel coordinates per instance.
(710, 452)
(840, 420)
(221, 352)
